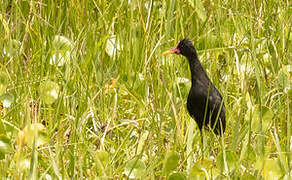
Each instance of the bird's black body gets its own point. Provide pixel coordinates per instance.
(203, 95)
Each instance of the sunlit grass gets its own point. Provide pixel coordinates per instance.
(116, 108)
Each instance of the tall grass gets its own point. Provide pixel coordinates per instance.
(124, 115)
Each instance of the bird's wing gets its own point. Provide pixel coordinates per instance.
(215, 100)
(216, 106)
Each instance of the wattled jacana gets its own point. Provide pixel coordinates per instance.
(204, 102)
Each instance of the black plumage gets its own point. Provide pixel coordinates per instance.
(203, 94)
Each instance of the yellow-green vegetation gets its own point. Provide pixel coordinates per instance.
(87, 94)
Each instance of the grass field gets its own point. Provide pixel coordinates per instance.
(87, 94)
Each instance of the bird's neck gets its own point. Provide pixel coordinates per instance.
(195, 66)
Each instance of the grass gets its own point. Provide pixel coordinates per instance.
(124, 116)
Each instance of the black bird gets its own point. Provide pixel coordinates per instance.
(204, 102)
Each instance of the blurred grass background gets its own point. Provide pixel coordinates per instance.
(121, 106)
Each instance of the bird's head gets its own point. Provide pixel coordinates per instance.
(184, 47)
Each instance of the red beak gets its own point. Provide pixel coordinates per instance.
(173, 50)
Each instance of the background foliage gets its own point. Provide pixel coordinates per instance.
(86, 93)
